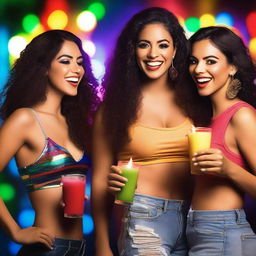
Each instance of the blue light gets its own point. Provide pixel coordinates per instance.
(13, 167)
(26, 218)
(4, 57)
(14, 248)
(87, 224)
(224, 18)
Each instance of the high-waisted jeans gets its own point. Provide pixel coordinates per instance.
(220, 233)
(154, 226)
(61, 247)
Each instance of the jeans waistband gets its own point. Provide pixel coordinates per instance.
(163, 203)
(236, 215)
(69, 242)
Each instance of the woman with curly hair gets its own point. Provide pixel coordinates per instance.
(49, 103)
(223, 72)
(145, 115)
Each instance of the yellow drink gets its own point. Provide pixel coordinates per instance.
(199, 139)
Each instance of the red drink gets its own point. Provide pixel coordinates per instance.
(73, 195)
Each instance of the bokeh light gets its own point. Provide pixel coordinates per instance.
(86, 21)
(224, 18)
(30, 22)
(97, 9)
(207, 20)
(252, 47)
(192, 24)
(89, 47)
(98, 68)
(57, 20)
(87, 224)
(26, 218)
(7, 191)
(251, 23)
(16, 44)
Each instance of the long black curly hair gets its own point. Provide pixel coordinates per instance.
(28, 83)
(123, 79)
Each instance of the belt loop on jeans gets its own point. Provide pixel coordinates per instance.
(238, 216)
(165, 205)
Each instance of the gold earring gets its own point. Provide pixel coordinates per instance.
(233, 88)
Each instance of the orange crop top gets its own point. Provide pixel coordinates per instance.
(152, 145)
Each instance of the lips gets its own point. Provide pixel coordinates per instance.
(202, 81)
(73, 81)
(153, 65)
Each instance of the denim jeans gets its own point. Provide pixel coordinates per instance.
(220, 233)
(154, 226)
(62, 247)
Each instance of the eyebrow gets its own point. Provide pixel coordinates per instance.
(68, 56)
(210, 56)
(159, 41)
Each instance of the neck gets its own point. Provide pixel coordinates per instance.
(157, 85)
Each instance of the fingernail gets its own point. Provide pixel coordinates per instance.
(202, 169)
(193, 159)
(195, 164)
(195, 154)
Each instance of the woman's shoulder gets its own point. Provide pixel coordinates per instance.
(245, 116)
(21, 117)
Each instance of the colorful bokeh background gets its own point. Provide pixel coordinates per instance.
(97, 23)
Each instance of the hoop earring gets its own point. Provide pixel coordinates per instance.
(173, 73)
(233, 88)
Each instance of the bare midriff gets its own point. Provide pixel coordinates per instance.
(165, 180)
(215, 193)
(47, 204)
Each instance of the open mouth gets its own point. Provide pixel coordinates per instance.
(153, 65)
(202, 81)
(73, 81)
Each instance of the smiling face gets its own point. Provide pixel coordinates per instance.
(209, 68)
(66, 70)
(155, 51)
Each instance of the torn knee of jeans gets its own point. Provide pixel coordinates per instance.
(146, 241)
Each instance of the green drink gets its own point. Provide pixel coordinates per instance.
(129, 171)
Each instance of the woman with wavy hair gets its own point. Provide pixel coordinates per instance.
(223, 72)
(49, 103)
(145, 115)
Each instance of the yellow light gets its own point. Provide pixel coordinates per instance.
(252, 47)
(57, 20)
(86, 21)
(207, 20)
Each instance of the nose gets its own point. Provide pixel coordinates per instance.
(199, 68)
(76, 68)
(152, 52)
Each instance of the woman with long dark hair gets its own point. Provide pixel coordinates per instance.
(145, 115)
(223, 72)
(49, 103)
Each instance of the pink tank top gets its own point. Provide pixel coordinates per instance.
(219, 125)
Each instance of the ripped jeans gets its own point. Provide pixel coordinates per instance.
(154, 226)
(220, 233)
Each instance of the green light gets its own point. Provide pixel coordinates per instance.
(30, 22)
(192, 24)
(7, 191)
(98, 10)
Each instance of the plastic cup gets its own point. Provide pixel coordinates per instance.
(129, 171)
(199, 139)
(73, 186)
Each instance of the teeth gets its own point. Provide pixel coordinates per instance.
(154, 64)
(203, 80)
(72, 79)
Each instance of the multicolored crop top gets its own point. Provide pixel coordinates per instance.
(153, 145)
(53, 162)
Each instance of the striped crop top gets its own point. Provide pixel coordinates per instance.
(153, 145)
(53, 162)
